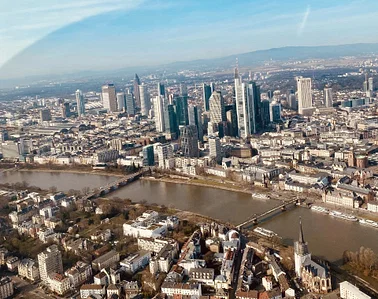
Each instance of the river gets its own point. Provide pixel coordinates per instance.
(327, 237)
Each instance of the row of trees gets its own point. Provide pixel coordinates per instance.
(363, 260)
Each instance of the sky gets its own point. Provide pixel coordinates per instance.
(42, 37)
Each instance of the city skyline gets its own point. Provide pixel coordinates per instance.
(296, 23)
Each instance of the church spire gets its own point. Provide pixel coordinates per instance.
(301, 236)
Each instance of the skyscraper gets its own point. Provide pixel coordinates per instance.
(275, 111)
(206, 94)
(212, 87)
(183, 90)
(121, 101)
(304, 95)
(159, 113)
(50, 261)
(161, 89)
(215, 149)
(248, 104)
(80, 103)
(291, 100)
(181, 103)
(145, 103)
(172, 126)
(217, 108)
(232, 121)
(130, 103)
(136, 90)
(195, 118)
(45, 114)
(265, 113)
(328, 101)
(148, 155)
(189, 141)
(66, 111)
(109, 99)
(371, 84)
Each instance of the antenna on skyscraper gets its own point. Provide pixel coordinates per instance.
(236, 70)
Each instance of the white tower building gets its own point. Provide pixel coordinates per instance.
(304, 88)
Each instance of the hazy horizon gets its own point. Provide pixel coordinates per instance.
(96, 35)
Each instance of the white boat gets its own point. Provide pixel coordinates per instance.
(340, 215)
(368, 222)
(320, 209)
(264, 232)
(260, 196)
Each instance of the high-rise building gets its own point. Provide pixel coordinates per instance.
(304, 95)
(206, 94)
(66, 111)
(161, 89)
(212, 87)
(275, 111)
(121, 101)
(164, 152)
(181, 103)
(145, 103)
(195, 118)
(109, 99)
(159, 113)
(350, 291)
(172, 126)
(232, 121)
(45, 114)
(265, 113)
(291, 100)
(215, 150)
(136, 90)
(328, 101)
(148, 155)
(371, 84)
(183, 90)
(130, 103)
(189, 140)
(80, 104)
(248, 102)
(217, 108)
(50, 261)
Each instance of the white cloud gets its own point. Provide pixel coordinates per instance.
(303, 23)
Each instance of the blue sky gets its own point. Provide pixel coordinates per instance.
(54, 36)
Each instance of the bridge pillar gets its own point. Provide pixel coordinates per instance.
(255, 221)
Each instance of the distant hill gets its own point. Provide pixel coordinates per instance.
(245, 59)
(285, 54)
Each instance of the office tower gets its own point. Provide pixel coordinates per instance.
(181, 103)
(217, 108)
(270, 94)
(195, 118)
(183, 90)
(212, 87)
(50, 261)
(148, 155)
(45, 114)
(161, 89)
(265, 113)
(304, 95)
(189, 140)
(232, 121)
(248, 102)
(275, 111)
(159, 113)
(66, 111)
(206, 94)
(121, 101)
(291, 100)
(80, 105)
(109, 99)
(130, 103)
(145, 103)
(371, 84)
(136, 90)
(164, 152)
(215, 149)
(328, 102)
(25, 146)
(172, 126)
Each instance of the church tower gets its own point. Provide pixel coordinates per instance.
(301, 253)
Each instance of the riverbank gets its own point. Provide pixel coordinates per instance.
(76, 171)
(201, 183)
